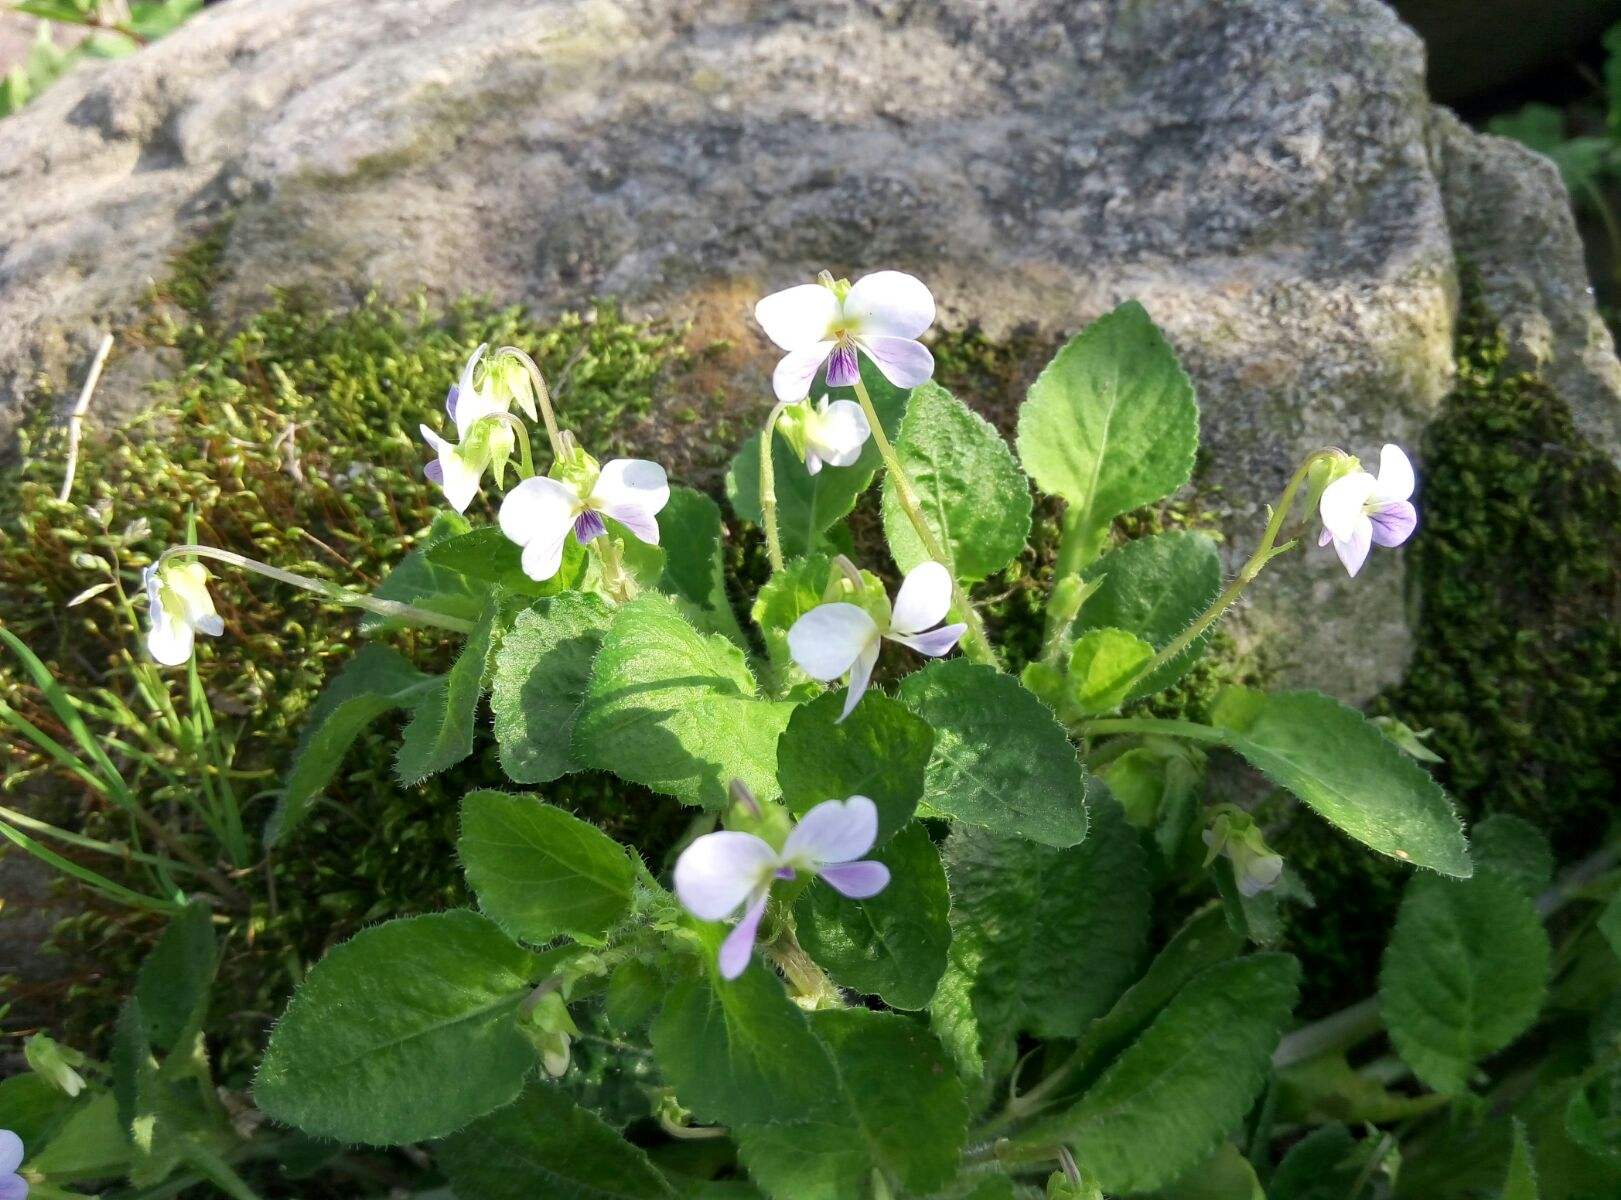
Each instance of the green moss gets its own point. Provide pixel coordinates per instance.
(1516, 575)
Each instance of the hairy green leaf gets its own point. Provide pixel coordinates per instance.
(1514, 848)
(788, 595)
(440, 732)
(880, 751)
(427, 585)
(174, 980)
(540, 872)
(541, 677)
(1155, 587)
(489, 559)
(407, 1031)
(1520, 1183)
(677, 710)
(1000, 760)
(1111, 423)
(1320, 1166)
(973, 497)
(693, 539)
(1463, 976)
(1101, 667)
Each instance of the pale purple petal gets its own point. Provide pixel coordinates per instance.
(934, 642)
(631, 483)
(842, 370)
(1260, 874)
(1396, 480)
(738, 947)
(904, 363)
(588, 525)
(797, 317)
(860, 676)
(1343, 503)
(827, 640)
(13, 1187)
(924, 599)
(11, 1152)
(450, 401)
(889, 304)
(1394, 523)
(835, 831)
(719, 871)
(434, 473)
(638, 520)
(792, 378)
(813, 463)
(1325, 537)
(1353, 551)
(857, 880)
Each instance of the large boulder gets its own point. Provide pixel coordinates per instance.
(1267, 176)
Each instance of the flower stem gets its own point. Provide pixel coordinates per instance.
(543, 398)
(977, 645)
(526, 458)
(768, 488)
(393, 609)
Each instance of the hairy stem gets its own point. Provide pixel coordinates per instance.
(768, 488)
(543, 398)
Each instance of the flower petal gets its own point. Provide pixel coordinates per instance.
(827, 640)
(842, 368)
(542, 557)
(797, 317)
(1396, 480)
(538, 509)
(904, 363)
(1353, 551)
(835, 831)
(889, 304)
(718, 871)
(13, 1187)
(631, 482)
(860, 676)
(837, 433)
(933, 642)
(857, 880)
(1393, 523)
(1343, 501)
(924, 599)
(588, 527)
(792, 379)
(11, 1152)
(1260, 874)
(738, 947)
(170, 641)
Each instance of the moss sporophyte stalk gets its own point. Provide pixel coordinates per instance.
(712, 901)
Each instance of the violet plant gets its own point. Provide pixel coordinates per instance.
(906, 947)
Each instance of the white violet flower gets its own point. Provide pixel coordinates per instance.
(1360, 509)
(1256, 867)
(881, 316)
(831, 432)
(179, 607)
(723, 872)
(461, 464)
(539, 513)
(834, 638)
(12, 1185)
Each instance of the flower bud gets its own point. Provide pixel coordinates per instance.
(1234, 834)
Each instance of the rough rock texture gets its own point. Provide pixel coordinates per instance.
(1267, 176)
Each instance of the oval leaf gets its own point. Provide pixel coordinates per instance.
(541, 676)
(881, 751)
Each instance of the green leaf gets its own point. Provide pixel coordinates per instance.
(152, 1113)
(972, 494)
(1320, 1166)
(33, 1108)
(1463, 976)
(1609, 923)
(788, 595)
(1225, 1175)
(881, 751)
(693, 538)
(489, 559)
(1514, 848)
(676, 710)
(547, 1146)
(1336, 760)
(418, 581)
(1521, 1181)
(894, 1109)
(1541, 127)
(90, 1144)
(1155, 587)
(371, 683)
(1111, 425)
(1000, 760)
(809, 505)
(174, 980)
(405, 1032)
(440, 732)
(1101, 667)
(540, 872)
(541, 676)
(1175, 1092)
(1043, 940)
(892, 945)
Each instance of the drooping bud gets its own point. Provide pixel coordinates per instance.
(1234, 834)
(550, 1028)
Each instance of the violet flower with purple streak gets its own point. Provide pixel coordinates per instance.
(881, 315)
(541, 512)
(12, 1185)
(1360, 510)
(723, 872)
(460, 465)
(834, 638)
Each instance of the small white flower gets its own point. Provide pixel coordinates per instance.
(1256, 868)
(723, 872)
(834, 638)
(834, 433)
(460, 465)
(881, 316)
(540, 512)
(179, 607)
(1359, 509)
(12, 1185)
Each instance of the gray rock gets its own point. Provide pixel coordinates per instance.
(1267, 176)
